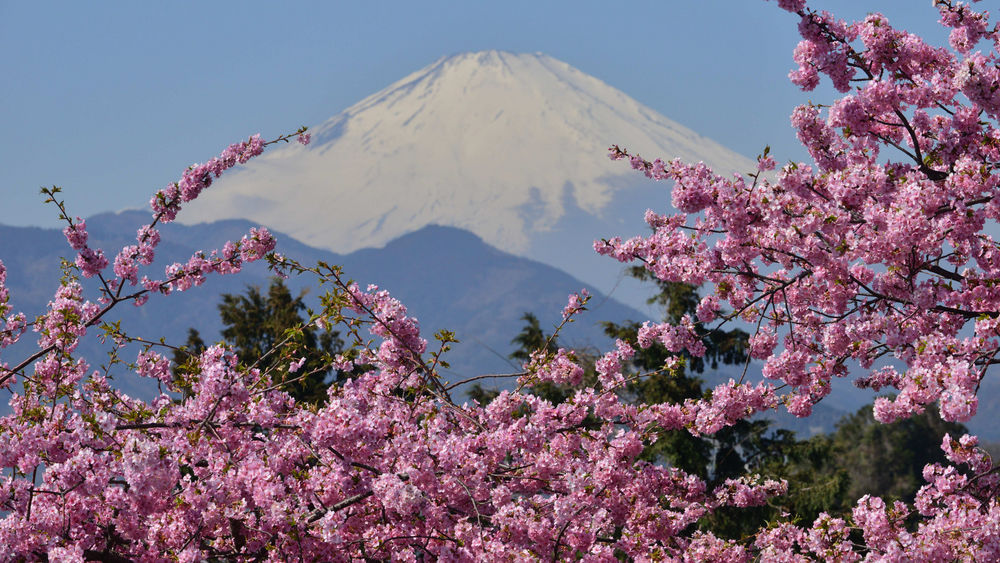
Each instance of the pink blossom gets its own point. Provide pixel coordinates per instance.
(256, 244)
(151, 364)
(575, 304)
(296, 365)
(76, 234)
(91, 262)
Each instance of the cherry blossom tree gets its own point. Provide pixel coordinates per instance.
(879, 254)
(877, 251)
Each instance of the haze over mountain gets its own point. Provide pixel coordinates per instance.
(509, 146)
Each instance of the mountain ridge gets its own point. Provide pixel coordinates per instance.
(448, 279)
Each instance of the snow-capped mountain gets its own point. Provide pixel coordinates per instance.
(509, 146)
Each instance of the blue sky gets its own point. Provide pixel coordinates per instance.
(112, 100)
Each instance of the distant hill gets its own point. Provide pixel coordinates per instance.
(448, 278)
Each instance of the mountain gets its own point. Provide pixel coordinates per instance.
(448, 278)
(508, 146)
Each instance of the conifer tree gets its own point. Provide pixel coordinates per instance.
(257, 323)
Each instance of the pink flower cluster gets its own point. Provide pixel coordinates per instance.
(575, 303)
(880, 250)
(167, 202)
(12, 325)
(225, 465)
(90, 262)
(560, 368)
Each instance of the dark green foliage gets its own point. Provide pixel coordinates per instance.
(828, 473)
(481, 394)
(714, 458)
(887, 460)
(816, 481)
(532, 338)
(186, 356)
(255, 324)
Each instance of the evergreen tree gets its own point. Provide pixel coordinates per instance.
(829, 472)
(532, 338)
(254, 323)
(186, 357)
(715, 458)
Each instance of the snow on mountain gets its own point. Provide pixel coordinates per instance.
(509, 146)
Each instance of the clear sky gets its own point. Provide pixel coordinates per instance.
(112, 100)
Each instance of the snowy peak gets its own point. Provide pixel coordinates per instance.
(501, 144)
